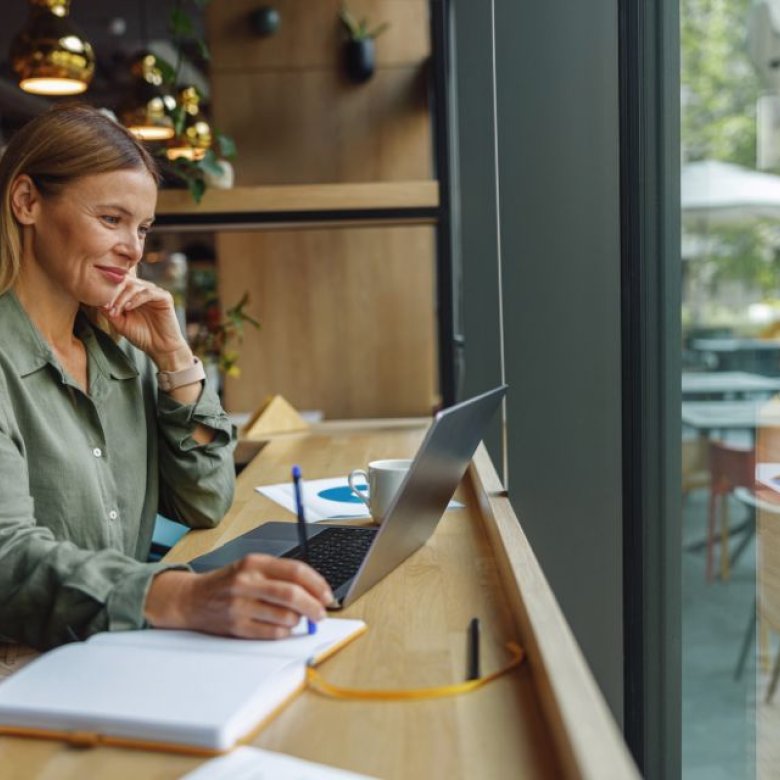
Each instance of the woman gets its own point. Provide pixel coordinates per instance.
(101, 427)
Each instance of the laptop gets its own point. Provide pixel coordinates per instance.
(352, 559)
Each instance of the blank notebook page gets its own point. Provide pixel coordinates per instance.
(147, 693)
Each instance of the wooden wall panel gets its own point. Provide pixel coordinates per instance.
(347, 316)
(310, 34)
(304, 127)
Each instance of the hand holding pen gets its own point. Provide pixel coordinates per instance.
(256, 597)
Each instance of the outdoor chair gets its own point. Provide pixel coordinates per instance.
(730, 468)
(768, 600)
(695, 467)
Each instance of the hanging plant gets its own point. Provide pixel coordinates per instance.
(209, 166)
(196, 174)
(359, 47)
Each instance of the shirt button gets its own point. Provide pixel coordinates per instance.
(97, 452)
(113, 514)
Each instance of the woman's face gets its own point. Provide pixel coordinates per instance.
(88, 237)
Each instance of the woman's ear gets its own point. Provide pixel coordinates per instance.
(25, 199)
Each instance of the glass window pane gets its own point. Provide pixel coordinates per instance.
(730, 268)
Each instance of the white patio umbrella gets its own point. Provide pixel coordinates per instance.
(716, 192)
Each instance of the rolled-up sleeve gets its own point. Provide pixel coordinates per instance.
(197, 480)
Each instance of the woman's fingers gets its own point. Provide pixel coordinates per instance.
(263, 612)
(291, 585)
(259, 619)
(144, 313)
(290, 571)
(258, 597)
(128, 287)
(260, 594)
(253, 630)
(134, 300)
(287, 595)
(132, 297)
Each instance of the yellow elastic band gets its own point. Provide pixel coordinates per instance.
(316, 683)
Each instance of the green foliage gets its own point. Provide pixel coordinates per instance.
(167, 71)
(718, 121)
(741, 253)
(191, 172)
(210, 163)
(359, 30)
(227, 146)
(719, 84)
(180, 22)
(215, 337)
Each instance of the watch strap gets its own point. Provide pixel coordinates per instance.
(170, 380)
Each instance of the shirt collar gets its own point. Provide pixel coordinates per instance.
(22, 343)
(29, 352)
(108, 356)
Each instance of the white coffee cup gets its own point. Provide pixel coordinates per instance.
(384, 477)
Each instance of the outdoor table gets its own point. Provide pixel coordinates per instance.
(727, 384)
(761, 356)
(746, 415)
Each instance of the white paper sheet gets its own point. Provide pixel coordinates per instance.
(300, 645)
(249, 763)
(769, 474)
(324, 499)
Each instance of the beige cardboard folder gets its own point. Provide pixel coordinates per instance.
(275, 415)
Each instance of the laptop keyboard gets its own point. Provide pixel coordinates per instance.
(336, 553)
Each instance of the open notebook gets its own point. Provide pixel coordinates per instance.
(170, 690)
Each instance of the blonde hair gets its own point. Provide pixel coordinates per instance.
(54, 149)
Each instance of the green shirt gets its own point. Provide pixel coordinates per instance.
(83, 477)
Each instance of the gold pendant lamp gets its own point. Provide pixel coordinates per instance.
(50, 55)
(146, 111)
(195, 137)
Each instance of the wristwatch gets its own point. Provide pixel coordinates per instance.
(170, 380)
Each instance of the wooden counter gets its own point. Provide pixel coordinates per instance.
(545, 720)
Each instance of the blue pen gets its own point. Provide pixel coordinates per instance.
(302, 540)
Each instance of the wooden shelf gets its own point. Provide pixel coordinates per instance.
(290, 206)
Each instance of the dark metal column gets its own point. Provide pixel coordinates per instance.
(445, 297)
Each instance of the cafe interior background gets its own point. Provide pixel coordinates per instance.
(350, 337)
(348, 320)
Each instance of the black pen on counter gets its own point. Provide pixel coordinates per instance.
(302, 537)
(472, 637)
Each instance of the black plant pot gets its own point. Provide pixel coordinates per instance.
(359, 59)
(265, 21)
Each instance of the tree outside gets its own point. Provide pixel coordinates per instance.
(728, 265)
